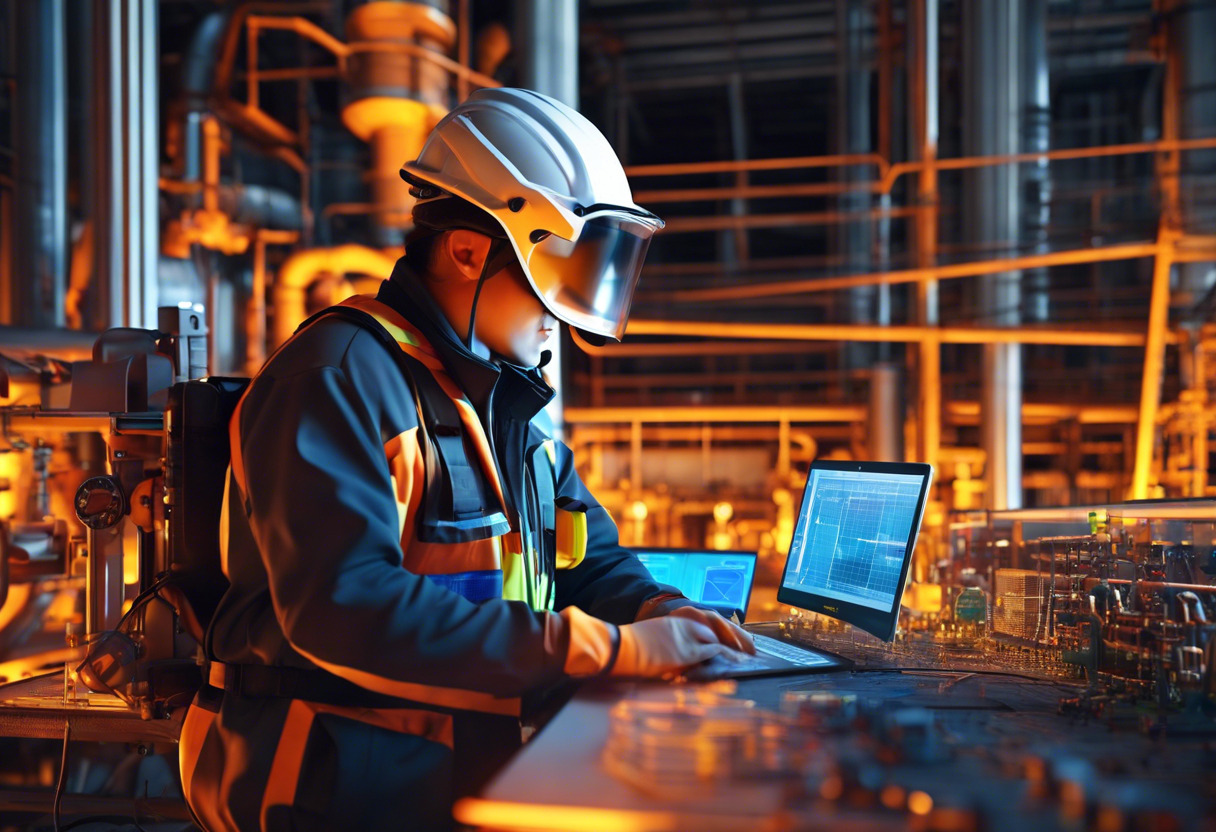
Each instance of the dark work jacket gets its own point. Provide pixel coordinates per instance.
(315, 548)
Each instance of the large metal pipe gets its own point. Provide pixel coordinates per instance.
(123, 185)
(733, 248)
(546, 48)
(41, 173)
(299, 270)
(923, 20)
(1194, 29)
(886, 427)
(1192, 32)
(546, 51)
(1035, 177)
(994, 38)
(198, 76)
(855, 235)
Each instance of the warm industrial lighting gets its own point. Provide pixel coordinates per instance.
(831, 788)
(920, 803)
(892, 796)
(723, 511)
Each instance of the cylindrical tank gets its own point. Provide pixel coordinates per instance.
(393, 96)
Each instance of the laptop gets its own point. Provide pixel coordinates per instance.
(849, 559)
(718, 579)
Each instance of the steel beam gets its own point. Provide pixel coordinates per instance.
(1154, 363)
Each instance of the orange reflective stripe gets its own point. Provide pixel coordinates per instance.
(288, 757)
(237, 458)
(195, 729)
(473, 425)
(406, 470)
(234, 443)
(284, 778)
(415, 344)
(457, 698)
(429, 725)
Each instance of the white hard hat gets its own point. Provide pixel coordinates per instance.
(552, 182)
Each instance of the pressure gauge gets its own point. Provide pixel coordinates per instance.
(100, 503)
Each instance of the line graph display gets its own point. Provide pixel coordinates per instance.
(722, 580)
(852, 536)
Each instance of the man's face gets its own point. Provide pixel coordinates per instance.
(511, 320)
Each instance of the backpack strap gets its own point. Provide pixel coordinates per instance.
(452, 509)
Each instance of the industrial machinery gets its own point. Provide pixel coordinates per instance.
(1056, 668)
(110, 566)
(98, 552)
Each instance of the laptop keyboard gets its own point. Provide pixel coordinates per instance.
(800, 656)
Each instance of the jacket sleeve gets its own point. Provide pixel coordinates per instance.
(610, 582)
(322, 509)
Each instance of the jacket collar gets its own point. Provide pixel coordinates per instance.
(527, 391)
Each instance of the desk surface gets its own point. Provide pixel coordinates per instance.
(33, 709)
(994, 754)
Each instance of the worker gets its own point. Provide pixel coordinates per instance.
(409, 551)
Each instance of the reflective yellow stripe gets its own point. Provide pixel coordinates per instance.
(397, 326)
(571, 538)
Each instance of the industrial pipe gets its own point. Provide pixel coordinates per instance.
(41, 172)
(302, 268)
(1129, 251)
(394, 99)
(886, 426)
(546, 46)
(895, 334)
(697, 414)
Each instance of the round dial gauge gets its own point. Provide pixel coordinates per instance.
(100, 503)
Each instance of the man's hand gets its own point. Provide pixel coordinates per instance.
(659, 648)
(727, 632)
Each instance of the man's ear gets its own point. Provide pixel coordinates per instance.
(466, 250)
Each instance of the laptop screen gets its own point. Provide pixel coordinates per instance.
(718, 579)
(853, 541)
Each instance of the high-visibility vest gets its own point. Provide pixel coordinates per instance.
(447, 534)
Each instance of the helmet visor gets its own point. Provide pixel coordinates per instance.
(589, 283)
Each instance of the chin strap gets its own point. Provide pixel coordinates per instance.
(498, 256)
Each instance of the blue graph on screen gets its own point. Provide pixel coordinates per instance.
(852, 539)
(724, 586)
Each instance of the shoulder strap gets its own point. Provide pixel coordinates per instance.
(452, 509)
